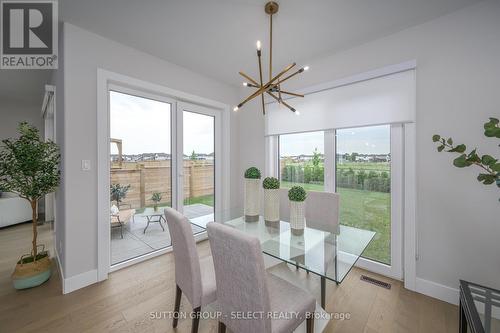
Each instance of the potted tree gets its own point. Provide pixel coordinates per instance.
(29, 167)
(271, 187)
(252, 182)
(156, 197)
(118, 192)
(297, 196)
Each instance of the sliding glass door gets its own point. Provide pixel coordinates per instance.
(140, 174)
(363, 169)
(364, 165)
(368, 162)
(198, 163)
(163, 153)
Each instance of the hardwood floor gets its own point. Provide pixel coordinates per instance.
(125, 301)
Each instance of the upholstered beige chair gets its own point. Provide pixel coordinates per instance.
(322, 211)
(193, 277)
(244, 286)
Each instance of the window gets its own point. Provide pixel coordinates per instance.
(301, 160)
(141, 174)
(363, 180)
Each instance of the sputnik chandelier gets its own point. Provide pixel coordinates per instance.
(273, 86)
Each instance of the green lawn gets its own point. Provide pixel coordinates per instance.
(365, 210)
(206, 200)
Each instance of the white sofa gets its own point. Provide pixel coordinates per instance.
(13, 209)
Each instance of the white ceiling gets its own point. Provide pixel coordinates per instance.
(217, 37)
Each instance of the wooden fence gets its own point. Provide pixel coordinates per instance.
(148, 177)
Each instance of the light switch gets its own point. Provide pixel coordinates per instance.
(85, 165)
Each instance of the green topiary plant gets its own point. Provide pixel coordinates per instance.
(271, 183)
(489, 165)
(252, 173)
(297, 193)
(29, 167)
(118, 192)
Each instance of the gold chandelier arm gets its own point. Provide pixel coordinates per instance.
(292, 75)
(290, 93)
(266, 86)
(282, 102)
(260, 75)
(248, 78)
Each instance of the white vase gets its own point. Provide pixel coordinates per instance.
(271, 205)
(252, 201)
(297, 216)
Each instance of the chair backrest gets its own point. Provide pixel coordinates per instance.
(284, 205)
(187, 261)
(322, 210)
(240, 276)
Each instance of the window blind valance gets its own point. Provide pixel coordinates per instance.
(383, 100)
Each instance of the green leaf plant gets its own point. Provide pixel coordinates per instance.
(490, 168)
(29, 167)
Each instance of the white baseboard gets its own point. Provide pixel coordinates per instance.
(79, 281)
(61, 273)
(436, 290)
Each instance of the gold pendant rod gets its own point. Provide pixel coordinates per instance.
(271, 47)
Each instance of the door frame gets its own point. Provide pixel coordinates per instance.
(105, 80)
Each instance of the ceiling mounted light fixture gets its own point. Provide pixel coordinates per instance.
(273, 86)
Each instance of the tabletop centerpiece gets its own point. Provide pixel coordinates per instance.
(252, 200)
(297, 196)
(271, 187)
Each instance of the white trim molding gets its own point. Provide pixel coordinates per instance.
(436, 290)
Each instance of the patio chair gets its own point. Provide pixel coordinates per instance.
(123, 216)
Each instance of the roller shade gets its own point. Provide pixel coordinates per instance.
(383, 100)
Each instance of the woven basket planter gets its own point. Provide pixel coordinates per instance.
(252, 200)
(32, 274)
(271, 205)
(297, 217)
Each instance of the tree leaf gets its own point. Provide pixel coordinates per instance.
(458, 149)
(495, 167)
(436, 138)
(440, 148)
(461, 161)
(488, 160)
(486, 178)
(450, 141)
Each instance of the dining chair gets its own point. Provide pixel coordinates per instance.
(322, 211)
(245, 287)
(284, 205)
(193, 277)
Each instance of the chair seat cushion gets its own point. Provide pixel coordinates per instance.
(209, 289)
(287, 299)
(123, 216)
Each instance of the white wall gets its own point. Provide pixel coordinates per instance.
(13, 111)
(458, 80)
(84, 52)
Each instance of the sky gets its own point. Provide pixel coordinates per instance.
(362, 140)
(143, 125)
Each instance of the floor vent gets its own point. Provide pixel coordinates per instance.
(375, 282)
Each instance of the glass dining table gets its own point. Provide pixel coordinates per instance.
(330, 255)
